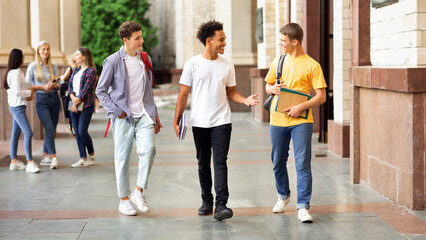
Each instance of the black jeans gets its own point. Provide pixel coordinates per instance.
(216, 138)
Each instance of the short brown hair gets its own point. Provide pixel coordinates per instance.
(128, 28)
(293, 31)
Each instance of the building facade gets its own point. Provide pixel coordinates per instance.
(24, 23)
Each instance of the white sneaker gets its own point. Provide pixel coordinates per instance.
(279, 206)
(138, 199)
(32, 167)
(126, 208)
(54, 163)
(17, 166)
(304, 216)
(80, 163)
(91, 160)
(46, 161)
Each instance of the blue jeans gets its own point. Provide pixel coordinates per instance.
(20, 122)
(142, 131)
(80, 122)
(280, 139)
(48, 106)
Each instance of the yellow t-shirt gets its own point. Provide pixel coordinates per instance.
(301, 74)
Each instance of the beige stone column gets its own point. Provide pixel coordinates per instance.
(239, 26)
(45, 19)
(70, 26)
(238, 18)
(189, 15)
(281, 16)
(266, 50)
(15, 29)
(297, 12)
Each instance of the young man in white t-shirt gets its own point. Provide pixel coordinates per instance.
(125, 91)
(210, 79)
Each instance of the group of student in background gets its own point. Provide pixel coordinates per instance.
(42, 82)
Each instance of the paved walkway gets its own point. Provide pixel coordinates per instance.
(81, 203)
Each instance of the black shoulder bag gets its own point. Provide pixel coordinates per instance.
(268, 101)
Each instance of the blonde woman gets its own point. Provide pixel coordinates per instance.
(42, 75)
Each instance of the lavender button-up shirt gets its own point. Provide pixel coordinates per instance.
(113, 88)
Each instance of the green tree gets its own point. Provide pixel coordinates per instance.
(100, 20)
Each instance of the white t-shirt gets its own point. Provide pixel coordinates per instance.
(208, 80)
(76, 83)
(135, 73)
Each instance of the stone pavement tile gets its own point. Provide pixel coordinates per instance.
(23, 204)
(193, 236)
(11, 229)
(184, 225)
(420, 214)
(132, 234)
(13, 222)
(331, 228)
(191, 228)
(120, 223)
(360, 225)
(415, 236)
(47, 236)
(55, 226)
(234, 236)
(242, 225)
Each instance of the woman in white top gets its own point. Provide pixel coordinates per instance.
(18, 93)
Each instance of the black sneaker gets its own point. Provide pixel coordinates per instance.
(222, 212)
(205, 209)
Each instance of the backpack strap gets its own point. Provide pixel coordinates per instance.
(107, 128)
(148, 65)
(280, 67)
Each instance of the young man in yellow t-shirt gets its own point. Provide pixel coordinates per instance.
(302, 73)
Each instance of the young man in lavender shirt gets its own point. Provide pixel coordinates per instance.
(125, 92)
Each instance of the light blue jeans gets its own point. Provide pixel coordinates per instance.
(123, 133)
(280, 140)
(48, 106)
(20, 122)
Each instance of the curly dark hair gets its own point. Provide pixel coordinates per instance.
(207, 30)
(128, 28)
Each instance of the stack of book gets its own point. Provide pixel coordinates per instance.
(289, 98)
